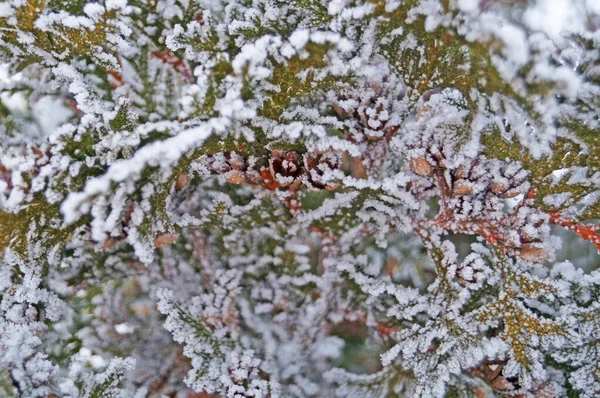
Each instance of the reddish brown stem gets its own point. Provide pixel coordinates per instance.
(115, 79)
(179, 65)
(590, 233)
(587, 232)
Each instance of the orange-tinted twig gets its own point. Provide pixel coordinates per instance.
(590, 233)
(267, 180)
(115, 79)
(489, 231)
(384, 330)
(179, 65)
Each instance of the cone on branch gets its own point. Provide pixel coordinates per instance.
(285, 167)
(234, 167)
(462, 187)
(163, 239)
(533, 252)
(510, 182)
(182, 181)
(238, 165)
(318, 166)
(465, 177)
(421, 166)
(372, 107)
(470, 271)
(491, 371)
